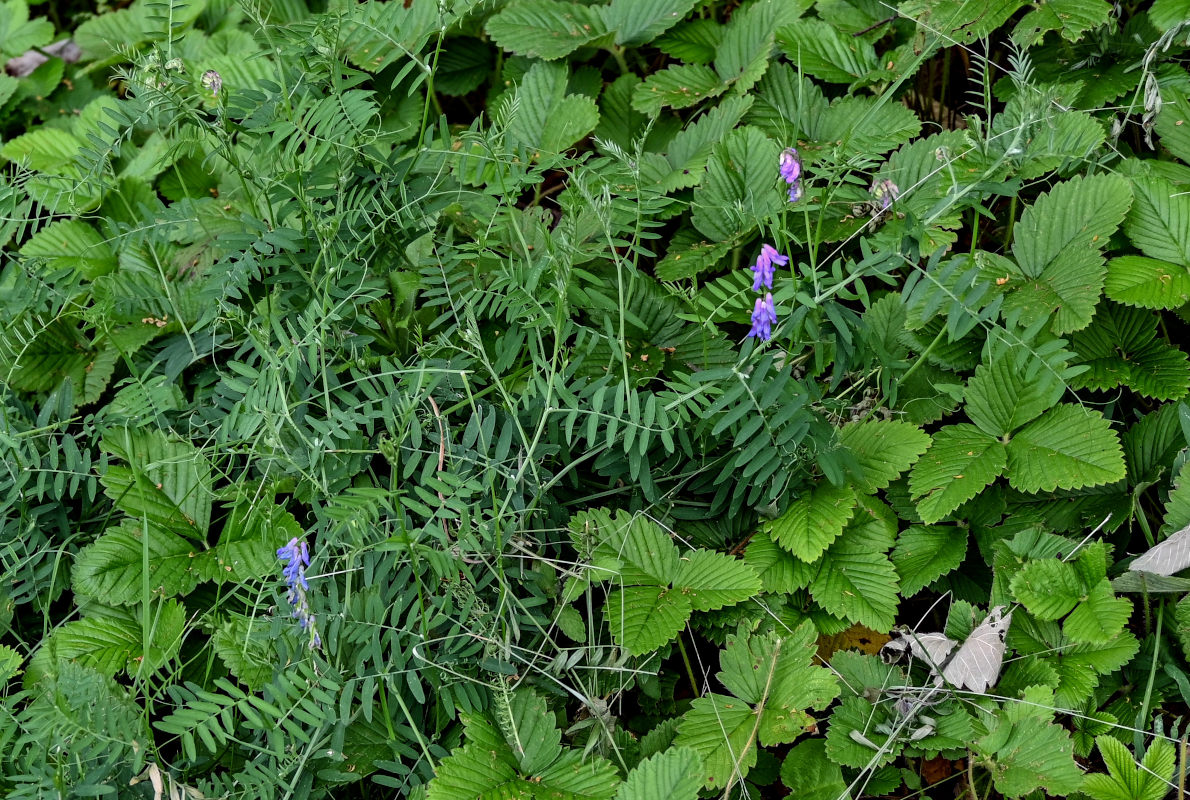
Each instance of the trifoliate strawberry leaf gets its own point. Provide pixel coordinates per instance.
(774, 683)
(961, 461)
(814, 520)
(1069, 447)
(111, 568)
(1048, 588)
(675, 774)
(883, 451)
(1127, 780)
(856, 581)
(740, 188)
(1100, 616)
(1008, 392)
(1159, 221)
(1025, 751)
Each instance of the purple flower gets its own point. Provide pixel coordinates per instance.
(791, 172)
(296, 557)
(886, 192)
(764, 316)
(763, 269)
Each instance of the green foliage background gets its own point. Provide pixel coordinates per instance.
(456, 292)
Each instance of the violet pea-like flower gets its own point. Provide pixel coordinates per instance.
(764, 267)
(764, 316)
(791, 172)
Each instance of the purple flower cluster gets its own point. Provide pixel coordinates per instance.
(791, 172)
(764, 313)
(296, 557)
(764, 267)
(764, 316)
(886, 192)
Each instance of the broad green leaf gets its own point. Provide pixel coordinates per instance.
(1122, 348)
(863, 126)
(248, 542)
(810, 775)
(1024, 751)
(1100, 616)
(648, 556)
(814, 520)
(961, 461)
(745, 50)
(924, 553)
(1159, 221)
(740, 189)
(531, 732)
(714, 580)
(722, 730)
(1048, 588)
(1069, 447)
(675, 774)
(883, 450)
(857, 582)
(546, 117)
(72, 244)
(825, 52)
(690, 255)
(856, 714)
(689, 151)
(1127, 780)
(166, 480)
(38, 356)
(111, 640)
(679, 86)
(1058, 244)
(110, 569)
(774, 682)
(545, 28)
(18, 33)
(1172, 123)
(1147, 282)
(643, 618)
(636, 22)
(1006, 393)
(693, 42)
(779, 570)
(1071, 18)
(42, 149)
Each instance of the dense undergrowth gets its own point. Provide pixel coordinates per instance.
(465, 399)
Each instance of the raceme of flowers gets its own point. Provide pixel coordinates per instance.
(791, 172)
(296, 556)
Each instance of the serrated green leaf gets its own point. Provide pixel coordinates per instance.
(1068, 447)
(675, 774)
(960, 462)
(740, 188)
(1122, 348)
(825, 52)
(1058, 245)
(531, 732)
(858, 584)
(883, 450)
(111, 568)
(248, 543)
(714, 580)
(678, 86)
(1071, 18)
(924, 553)
(1005, 394)
(1024, 751)
(245, 646)
(42, 149)
(1048, 588)
(814, 520)
(1100, 616)
(110, 640)
(545, 28)
(72, 244)
(690, 149)
(779, 570)
(1147, 282)
(1159, 221)
(38, 356)
(167, 481)
(636, 22)
(643, 618)
(1127, 780)
(810, 775)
